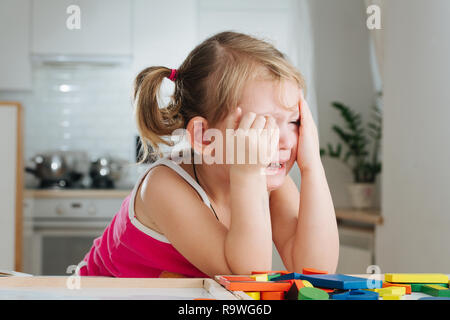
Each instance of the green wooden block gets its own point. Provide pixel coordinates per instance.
(308, 293)
(270, 276)
(417, 287)
(436, 291)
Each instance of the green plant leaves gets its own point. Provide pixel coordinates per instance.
(356, 139)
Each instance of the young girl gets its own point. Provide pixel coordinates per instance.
(199, 220)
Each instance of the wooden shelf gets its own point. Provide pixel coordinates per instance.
(370, 216)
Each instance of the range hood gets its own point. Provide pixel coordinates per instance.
(57, 59)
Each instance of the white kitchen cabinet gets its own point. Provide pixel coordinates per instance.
(356, 252)
(164, 32)
(104, 28)
(61, 226)
(15, 66)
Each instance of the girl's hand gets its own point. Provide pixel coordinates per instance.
(259, 134)
(308, 149)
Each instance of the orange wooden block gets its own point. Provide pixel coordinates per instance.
(238, 278)
(271, 272)
(299, 283)
(313, 271)
(272, 295)
(407, 286)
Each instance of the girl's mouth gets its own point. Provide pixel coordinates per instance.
(276, 168)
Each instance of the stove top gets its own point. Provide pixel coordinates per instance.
(59, 184)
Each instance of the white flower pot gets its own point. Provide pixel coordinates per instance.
(362, 195)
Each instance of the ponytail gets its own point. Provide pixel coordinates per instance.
(153, 121)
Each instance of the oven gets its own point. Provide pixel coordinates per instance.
(62, 231)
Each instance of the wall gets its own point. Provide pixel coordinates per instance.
(343, 73)
(416, 154)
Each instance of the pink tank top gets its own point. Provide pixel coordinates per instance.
(129, 249)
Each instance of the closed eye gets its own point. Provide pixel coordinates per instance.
(296, 122)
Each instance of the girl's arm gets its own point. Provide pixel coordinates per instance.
(194, 231)
(304, 226)
(248, 245)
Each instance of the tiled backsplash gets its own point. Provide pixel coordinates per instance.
(80, 107)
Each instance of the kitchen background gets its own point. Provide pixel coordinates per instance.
(75, 87)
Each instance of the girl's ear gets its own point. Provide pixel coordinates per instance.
(196, 128)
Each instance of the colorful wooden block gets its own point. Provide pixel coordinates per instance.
(271, 272)
(260, 277)
(307, 293)
(355, 295)
(327, 290)
(392, 297)
(271, 276)
(288, 276)
(389, 291)
(417, 287)
(308, 284)
(436, 291)
(256, 295)
(340, 281)
(257, 286)
(292, 293)
(313, 271)
(272, 295)
(416, 277)
(406, 286)
(238, 278)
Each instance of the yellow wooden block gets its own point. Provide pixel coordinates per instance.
(392, 297)
(437, 287)
(260, 277)
(307, 284)
(398, 291)
(416, 277)
(255, 295)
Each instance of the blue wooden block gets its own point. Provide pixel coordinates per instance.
(289, 276)
(340, 281)
(356, 295)
(434, 298)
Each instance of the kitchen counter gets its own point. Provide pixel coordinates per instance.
(76, 193)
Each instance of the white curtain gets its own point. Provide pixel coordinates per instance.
(302, 49)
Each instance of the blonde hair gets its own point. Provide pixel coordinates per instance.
(209, 84)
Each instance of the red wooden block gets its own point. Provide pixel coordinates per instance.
(257, 286)
(326, 290)
(313, 271)
(272, 295)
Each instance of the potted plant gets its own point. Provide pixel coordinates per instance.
(357, 139)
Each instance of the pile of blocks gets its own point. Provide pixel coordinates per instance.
(314, 284)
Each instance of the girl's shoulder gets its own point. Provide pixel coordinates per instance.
(168, 182)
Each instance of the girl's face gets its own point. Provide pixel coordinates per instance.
(268, 97)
